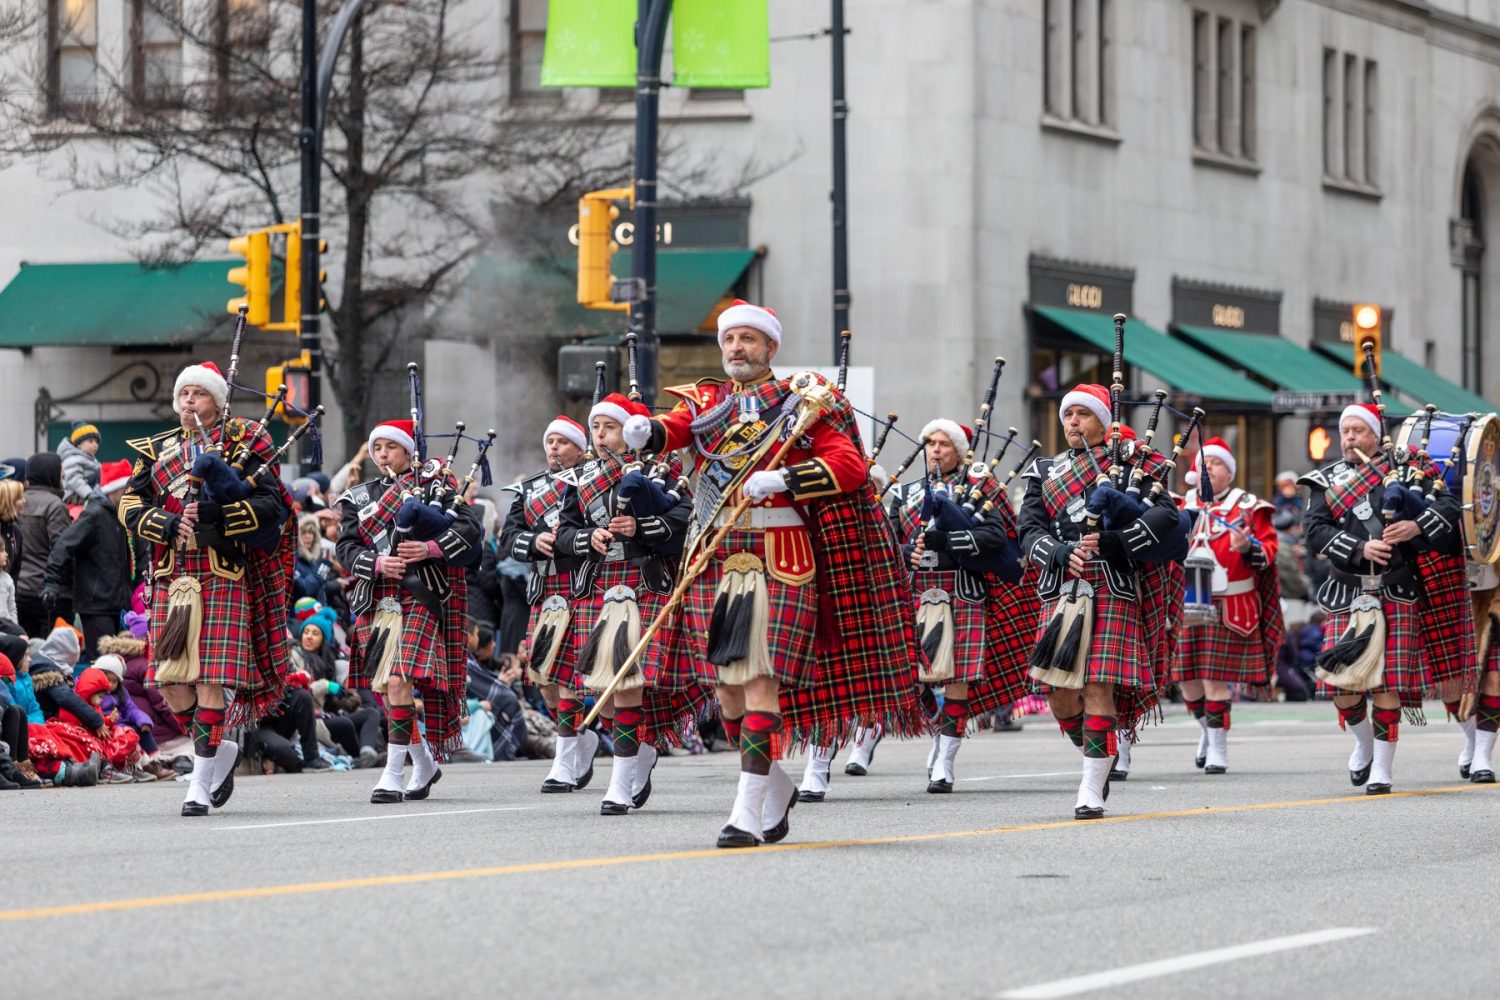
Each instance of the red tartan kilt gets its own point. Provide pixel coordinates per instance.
(668, 713)
(226, 653)
(1449, 638)
(564, 662)
(968, 623)
(1118, 650)
(1403, 648)
(1011, 615)
(792, 616)
(1218, 653)
(586, 611)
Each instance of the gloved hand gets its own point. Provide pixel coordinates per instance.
(937, 540)
(762, 484)
(1112, 546)
(49, 601)
(637, 431)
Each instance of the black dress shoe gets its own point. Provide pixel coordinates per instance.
(194, 809)
(552, 786)
(1116, 774)
(220, 795)
(1483, 777)
(1199, 761)
(1088, 812)
(385, 796)
(1377, 788)
(640, 797)
(588, 776)
(1463, 771)
(733, 836)
(808, 795)
(939, 786)
(425, 790)
(856, 770)
(778, 832)
(608, 808)
(1357, 778)
(1215, 769)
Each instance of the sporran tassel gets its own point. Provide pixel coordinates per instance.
(743, 617)
(935, 626)
(177, 652)
(1356, 662)
(610, 643)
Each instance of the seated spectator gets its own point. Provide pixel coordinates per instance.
(119, 700)
(349, 721)
(1289, 676)
(314, 572)
(80, 744)
(314, 650)
(166, 732)
(16, 770)
(1309, 644)
(495, 696)
(292, 717)
(52, 664)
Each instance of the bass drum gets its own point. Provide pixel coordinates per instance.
(1474, 478)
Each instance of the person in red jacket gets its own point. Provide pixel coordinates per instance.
(792, 623)
(1239, 647)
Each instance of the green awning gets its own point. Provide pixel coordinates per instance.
(113, 305)
(1175, 363)
(689, 283)
(1421, 386)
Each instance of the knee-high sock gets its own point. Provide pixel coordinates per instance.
(1387, 725)
(1486, 722)
(1099, 735)
(185, 719)
(1216, 714)
(208, 731)
(757, 739)
(955, 717)
(403, 720)
(732, 729)
(628, 731)
(1354, 714)
(568, 710)
(1072, 728)
(1197, 706)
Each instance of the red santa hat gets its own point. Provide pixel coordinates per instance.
(1366, 412)
(1095, 397)
(205, 376)
(742, 313)
(402, 432)
(114, 475)
(618, 408)
(1214, 447)
(567, 427)
(961, 436)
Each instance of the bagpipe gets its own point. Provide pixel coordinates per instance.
(228, 469)
(432, 493)
(643, 491)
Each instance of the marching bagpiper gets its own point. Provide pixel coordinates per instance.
(626, 533)
(1238, 644)
(1396, 576)
(793, 592)
(530, 536)
(410, 599)
(221, 571)
(1096, 648)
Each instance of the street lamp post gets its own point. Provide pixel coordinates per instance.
(650, 39)
(841, 297)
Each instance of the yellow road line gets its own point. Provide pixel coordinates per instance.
(418, 878)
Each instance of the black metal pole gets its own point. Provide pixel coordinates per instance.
(310, 150)
(650, 39)
(841, 297)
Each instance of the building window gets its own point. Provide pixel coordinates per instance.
(1078, 60)
(156, 53)
(1223, 88)
(1350, 122)
(528, 39)
(1471, 255)
(241, 44)
(73, 53)
(716, 94)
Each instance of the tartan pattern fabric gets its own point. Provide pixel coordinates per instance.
(269, 578)
(1272, 622)
(970, 657)
(586, 612)
(536, 507)
(792, 617)
(1345, 494)
(564, 663)
(1216, 653)
(597, 478)
(1010, 624)
(225, 648)
(1078, 475)
(1404, 673)
(767, 396)
(431, 655)
(1118, 652)
(1449, 638)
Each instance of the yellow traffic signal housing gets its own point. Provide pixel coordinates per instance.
(294, 374)
(596, 223)
(291, 315)
(254, 277)
(1366, 331)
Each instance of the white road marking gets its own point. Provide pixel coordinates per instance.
(1182, 963)
(1039, 774)
(371, 819)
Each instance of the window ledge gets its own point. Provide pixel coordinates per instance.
(1236, 164)
(1066, 126)
(681, 110)
(1339, 184)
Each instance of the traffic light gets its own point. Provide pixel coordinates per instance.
(1366, 331)
(291, 315)
(254, 276)
(294, 374)
(596, 224)
(1319, 441)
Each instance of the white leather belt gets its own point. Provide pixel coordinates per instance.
(1237, 587)
(761, 518)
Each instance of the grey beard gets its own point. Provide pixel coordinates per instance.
(740, 371)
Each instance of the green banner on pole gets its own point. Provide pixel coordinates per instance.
(721, 44)
(590, 43)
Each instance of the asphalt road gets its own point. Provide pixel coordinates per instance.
(489, 889)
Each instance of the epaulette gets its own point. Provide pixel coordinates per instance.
(1317, 478)
(150, 447)
(696, 391)
(525, 486)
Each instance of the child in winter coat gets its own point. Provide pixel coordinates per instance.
(119, 744)
(80, 466)
(16, 770)
(8, 610)
(119, 702)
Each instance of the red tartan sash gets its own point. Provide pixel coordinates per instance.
(1078, 476)
(383, 515)
(543, 502)
(598, 478)
(1344, 495)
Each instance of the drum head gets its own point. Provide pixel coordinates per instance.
(1482, 489)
